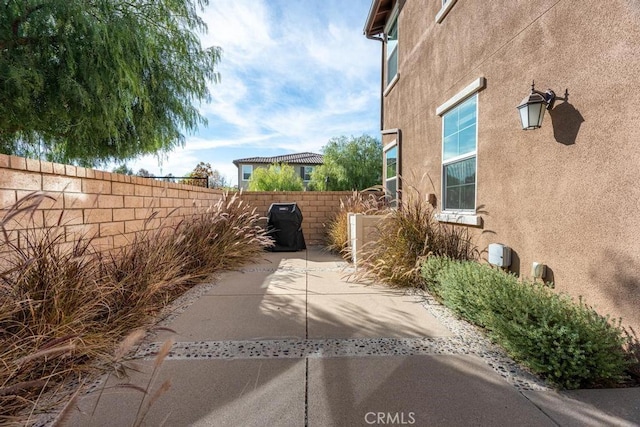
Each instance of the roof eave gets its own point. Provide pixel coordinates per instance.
(370, 16)
(376, 20)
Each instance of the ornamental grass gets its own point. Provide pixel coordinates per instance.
(408, 235)
(369, 202)
(65, 307)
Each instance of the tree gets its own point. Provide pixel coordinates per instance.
(353, 163)
(92, 81)
(278, 177)
(204, 170)
(217, 180)
(123, 169)
(144, 173)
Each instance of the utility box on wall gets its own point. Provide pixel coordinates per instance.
(499, 255)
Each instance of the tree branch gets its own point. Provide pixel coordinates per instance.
(15, 29)
(15, 26)
(23, 41)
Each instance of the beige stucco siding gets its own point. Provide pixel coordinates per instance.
(566, 194)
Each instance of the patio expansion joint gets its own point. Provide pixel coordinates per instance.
(466, 340)
(353, 347)
(338, 268)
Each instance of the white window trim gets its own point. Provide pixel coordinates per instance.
(446, 7)
(242, 172)
(475, 86)
(391, 84)
(461, 217)
(390, 145)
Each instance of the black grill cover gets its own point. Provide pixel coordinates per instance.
(284, 222)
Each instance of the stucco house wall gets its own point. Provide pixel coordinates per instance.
(566, 194)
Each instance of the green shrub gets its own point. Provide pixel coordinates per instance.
(431, 269)
(566, 342)
(571, 344)
(277, 177)
(466, 286)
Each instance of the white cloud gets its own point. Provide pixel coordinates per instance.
(240, 27)
(344, 51)
(199, 143)
(293, 75)
(277, 59)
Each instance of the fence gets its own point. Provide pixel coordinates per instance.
(112, 207)
(318, 207)
(191, 180)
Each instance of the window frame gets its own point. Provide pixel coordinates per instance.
(393, 22)
(467, 217)
(468, 155)
(446, 7)
(385, 179)
(303, 172)
(250, 172)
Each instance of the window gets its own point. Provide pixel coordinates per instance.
(305, 173)
(391, 171)
(459, 140)
(446, 7)
(392, 50)
(247, 170)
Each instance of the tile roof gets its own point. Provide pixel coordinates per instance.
(295, 158)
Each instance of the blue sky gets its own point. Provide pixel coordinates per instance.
(294, 73)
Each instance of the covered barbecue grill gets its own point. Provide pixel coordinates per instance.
(284, 222)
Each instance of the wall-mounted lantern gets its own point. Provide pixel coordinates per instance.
(532, 107)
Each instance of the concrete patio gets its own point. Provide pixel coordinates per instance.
(289, 341)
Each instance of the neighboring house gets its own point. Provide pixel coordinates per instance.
(304, 163)
(564, 194)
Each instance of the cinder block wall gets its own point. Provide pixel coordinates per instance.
(318, 208)
(112, 208)
(85, 202)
